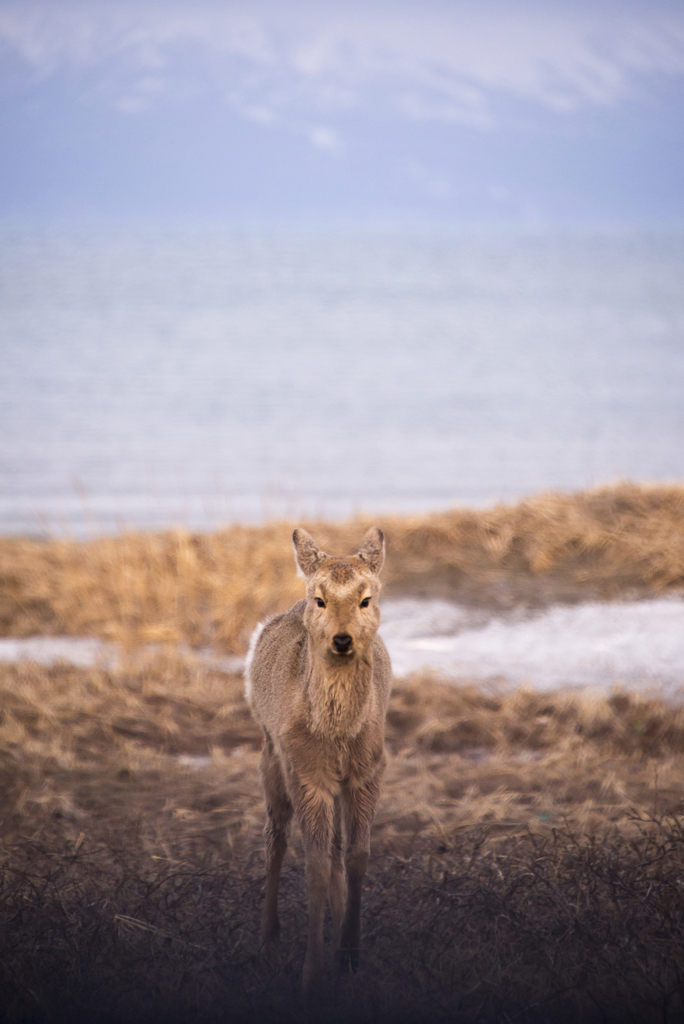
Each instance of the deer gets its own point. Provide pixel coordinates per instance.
(318, 681)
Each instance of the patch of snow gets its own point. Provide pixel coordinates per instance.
(86, 652)
(194, 760)
(420, 617)
(601, 644)
(637, 644)
(47, 650)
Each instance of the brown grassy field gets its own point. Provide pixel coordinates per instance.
(212, 588)
(528, 852)
(528, 856)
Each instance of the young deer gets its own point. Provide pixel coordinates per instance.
(318, 680)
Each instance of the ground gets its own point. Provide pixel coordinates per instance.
(528, 852)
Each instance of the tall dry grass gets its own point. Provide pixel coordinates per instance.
(528, 852)
(527, 857)
(71, 741)
(212, 588)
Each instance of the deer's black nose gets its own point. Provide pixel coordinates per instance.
(342, 643)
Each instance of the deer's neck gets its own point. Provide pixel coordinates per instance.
(339, 695)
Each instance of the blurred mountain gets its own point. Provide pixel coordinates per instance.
(498, 113)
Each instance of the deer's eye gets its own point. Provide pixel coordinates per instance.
(365, 602)
(320, 602)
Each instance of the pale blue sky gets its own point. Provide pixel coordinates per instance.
(467, 112)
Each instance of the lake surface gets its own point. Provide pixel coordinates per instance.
(153, 377)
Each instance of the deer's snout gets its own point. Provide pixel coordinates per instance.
(342, 643)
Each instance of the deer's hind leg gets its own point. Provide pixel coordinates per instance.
(278, 815)
(338, 886)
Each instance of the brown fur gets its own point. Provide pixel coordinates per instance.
(322, 711)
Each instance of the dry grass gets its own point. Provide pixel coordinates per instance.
(213, 588)
(71, 741)
(527, 856)
(528, 853)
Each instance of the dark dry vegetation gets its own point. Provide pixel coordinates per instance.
(528, 853)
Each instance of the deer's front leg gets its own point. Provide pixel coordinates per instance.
(359, 808)
(338, 885)
(315, 815)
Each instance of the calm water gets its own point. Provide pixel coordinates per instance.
(196, 377)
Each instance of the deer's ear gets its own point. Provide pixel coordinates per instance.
(308, 555)
(373, 549)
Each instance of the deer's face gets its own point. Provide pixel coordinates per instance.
(342, 614)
